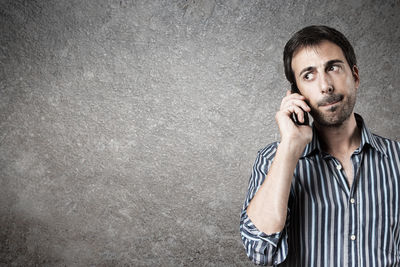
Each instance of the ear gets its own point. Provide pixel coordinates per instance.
(356, 76)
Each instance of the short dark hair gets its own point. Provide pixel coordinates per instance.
(311, 36)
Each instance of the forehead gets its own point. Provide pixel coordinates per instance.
(315, 56)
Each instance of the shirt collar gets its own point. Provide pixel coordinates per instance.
(367, 139)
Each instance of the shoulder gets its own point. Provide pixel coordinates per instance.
(385, 139)
(390, 147)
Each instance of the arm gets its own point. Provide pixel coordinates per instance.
(265, 212)
(268, 209)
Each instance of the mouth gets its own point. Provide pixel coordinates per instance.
(331, 101)
(330, 104)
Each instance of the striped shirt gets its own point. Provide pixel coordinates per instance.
(328, 223)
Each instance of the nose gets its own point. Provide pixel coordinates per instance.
(326, 84)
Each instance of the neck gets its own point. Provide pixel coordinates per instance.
(343, 139)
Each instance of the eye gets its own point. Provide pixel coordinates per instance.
(333, 68)
(308, 76)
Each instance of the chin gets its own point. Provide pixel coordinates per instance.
(331, 124)
(332, 120)
(335, 115)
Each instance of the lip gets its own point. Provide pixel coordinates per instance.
(331, 104)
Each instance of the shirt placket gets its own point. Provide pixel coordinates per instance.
(351, 231)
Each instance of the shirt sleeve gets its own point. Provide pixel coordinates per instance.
(261, 248)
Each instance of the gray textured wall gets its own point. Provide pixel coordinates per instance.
(128, 129)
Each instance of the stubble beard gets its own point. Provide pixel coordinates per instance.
(336, 115)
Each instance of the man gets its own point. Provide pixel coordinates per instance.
(326, 195)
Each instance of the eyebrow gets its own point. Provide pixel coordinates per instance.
(329, 63)
(333, 61)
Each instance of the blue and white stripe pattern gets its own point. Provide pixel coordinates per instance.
(329, 223)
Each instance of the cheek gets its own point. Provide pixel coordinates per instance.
(310, 103)
(311, 99)
(349, 82)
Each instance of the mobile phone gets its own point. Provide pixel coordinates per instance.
(294, 115)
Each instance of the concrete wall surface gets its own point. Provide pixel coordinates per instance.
(128, 129)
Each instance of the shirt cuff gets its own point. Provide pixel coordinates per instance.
(256, 235)
(262, 248)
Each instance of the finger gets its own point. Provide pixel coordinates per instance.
(290, 93)
(299, 103)
(298, 111)
(295, 96)
(289, 97)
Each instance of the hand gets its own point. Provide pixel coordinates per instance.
(300, 135)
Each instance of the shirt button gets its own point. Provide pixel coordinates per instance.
(338, 167)
(353, 237)
(352, 200)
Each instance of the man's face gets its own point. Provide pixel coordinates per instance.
(324, 77)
